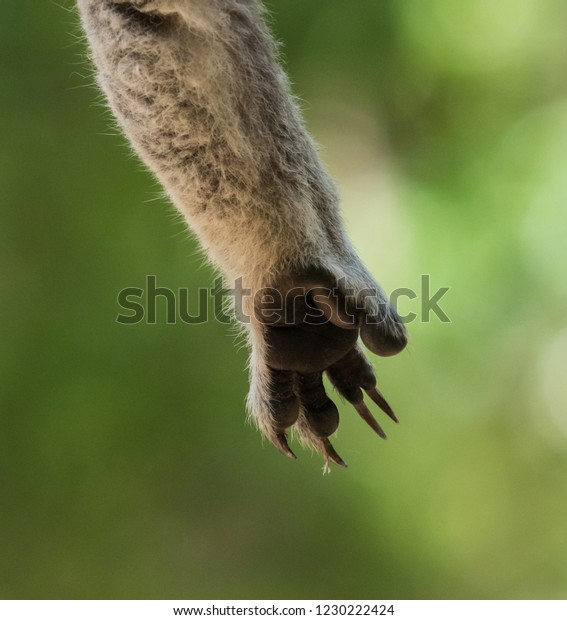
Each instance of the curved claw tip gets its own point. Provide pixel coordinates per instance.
(365, 414)
(332, 454)
(280, 442)
(377, 397)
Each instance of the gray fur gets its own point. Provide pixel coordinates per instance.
(198, 91)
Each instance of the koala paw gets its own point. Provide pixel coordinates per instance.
(300, 332)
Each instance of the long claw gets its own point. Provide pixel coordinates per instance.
(280, 442)
(382, 403)
(332, 453)
(365, 414)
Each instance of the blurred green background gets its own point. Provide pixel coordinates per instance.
(126, 467)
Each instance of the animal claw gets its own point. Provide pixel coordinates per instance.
(331, 453)
(377, 397)
(280, 442)
(365, 414)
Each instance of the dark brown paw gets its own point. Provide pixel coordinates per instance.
(309, 332)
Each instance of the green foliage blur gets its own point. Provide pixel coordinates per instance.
(127, 469)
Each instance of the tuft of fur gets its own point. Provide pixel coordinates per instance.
(197, 88)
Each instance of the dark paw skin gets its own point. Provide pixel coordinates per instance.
(303, 343)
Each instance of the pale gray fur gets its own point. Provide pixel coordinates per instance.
(202, 98)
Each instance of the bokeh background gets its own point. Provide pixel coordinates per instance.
(127, 469)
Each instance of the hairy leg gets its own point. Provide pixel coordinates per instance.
(198, 90)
